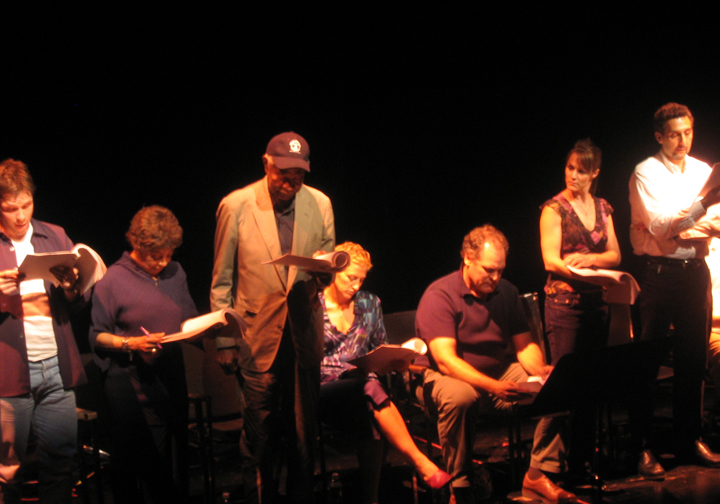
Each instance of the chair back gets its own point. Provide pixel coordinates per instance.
(91, 396)
(221, 387)
(531, 306)
(193, 358)
(400, 326)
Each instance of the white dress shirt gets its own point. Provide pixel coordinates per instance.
(664, 203)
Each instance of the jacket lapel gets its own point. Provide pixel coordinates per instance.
(300, 229)
(265, 220)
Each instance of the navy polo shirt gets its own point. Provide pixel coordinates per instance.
(483, 329)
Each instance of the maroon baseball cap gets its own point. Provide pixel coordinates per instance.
(289, 150)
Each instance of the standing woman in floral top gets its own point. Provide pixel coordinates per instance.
(355, 400)
(576, 229)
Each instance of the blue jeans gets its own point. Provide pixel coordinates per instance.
(50, 410)
(575, 322)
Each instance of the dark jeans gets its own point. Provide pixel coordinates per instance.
(50, 410)
(679, 295)
(280, 402)
(576, 323)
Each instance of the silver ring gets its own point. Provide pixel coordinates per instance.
(154, 350)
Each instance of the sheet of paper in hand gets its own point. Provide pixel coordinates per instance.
(326, 263)
(227, 320)
(531, 389)
(621, 286)
(90, 265)
(381, 358)
(712, 181)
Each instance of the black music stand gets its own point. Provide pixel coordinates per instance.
(589, 380)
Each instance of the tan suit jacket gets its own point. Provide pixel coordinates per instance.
(266, 296)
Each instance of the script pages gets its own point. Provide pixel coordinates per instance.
(622, 288)
(326, 263)
(90, 265)
(228, 319)
(712, 182)
(383, 356)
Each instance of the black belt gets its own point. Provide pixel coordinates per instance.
(678, 263)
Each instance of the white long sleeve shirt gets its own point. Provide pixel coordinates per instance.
(664, 204)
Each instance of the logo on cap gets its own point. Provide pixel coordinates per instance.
(295, 146)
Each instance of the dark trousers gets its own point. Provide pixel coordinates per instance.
(149, 430)
(349, 404)
(279, 406)
(142, 463)
(577, 323)
(679, 295)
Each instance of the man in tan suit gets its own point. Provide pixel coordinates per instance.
(279, 355)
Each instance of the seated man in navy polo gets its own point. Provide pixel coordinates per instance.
(471, 320)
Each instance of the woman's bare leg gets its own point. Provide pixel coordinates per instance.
(392, 425)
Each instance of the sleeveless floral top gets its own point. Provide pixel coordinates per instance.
(577, 239)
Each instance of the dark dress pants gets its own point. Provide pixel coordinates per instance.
(148, 409)
(680, 295)
(280, 403)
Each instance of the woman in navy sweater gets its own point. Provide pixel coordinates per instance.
(144, 296)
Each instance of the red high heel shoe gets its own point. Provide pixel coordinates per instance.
(438, 480)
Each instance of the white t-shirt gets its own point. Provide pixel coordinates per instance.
(39, 335)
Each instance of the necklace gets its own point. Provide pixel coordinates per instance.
(584, 211)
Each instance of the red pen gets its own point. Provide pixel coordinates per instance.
(147, 333)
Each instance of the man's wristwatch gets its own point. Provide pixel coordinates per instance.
(126, 346)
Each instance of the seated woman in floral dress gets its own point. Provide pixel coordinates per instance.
(351, 398)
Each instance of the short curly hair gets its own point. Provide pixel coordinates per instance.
(358, 255)
(154, 228)
(15, 178)
(670, 111)
(475, 239)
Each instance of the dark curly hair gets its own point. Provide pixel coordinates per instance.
(154, 228)
(670, 111)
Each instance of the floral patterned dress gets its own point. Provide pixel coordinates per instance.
(346, 401)
(366, 333)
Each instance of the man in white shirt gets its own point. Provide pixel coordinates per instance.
(666, 209)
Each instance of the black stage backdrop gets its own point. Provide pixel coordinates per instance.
(423, 122)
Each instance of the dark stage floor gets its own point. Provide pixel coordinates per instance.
(683, 484)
